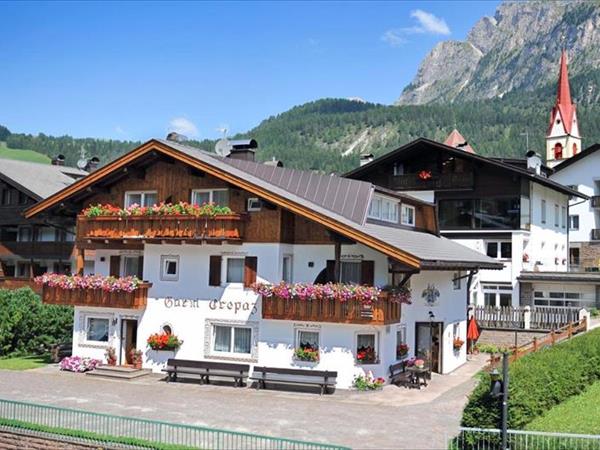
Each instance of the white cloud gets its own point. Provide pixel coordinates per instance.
(427, 23)
(394, 38)
(183, 126)
(119, 130)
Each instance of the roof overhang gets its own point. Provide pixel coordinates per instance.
(343, 229)
(562, 277)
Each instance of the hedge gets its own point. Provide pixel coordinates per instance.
(538, 382)
(29, 326)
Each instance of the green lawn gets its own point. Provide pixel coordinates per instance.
(579, 414)
(21, 154)
(24, 362)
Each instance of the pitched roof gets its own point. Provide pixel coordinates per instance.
(579, 156)
(456, 140)
(339, 204)
(563, 106)
(37, 179)
(388, 157)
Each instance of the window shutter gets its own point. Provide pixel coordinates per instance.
(214, 273)
(250, 266)
(367, 273)
(115, 265)
(140, 273)
(330, 270)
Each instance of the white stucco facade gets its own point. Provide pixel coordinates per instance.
(192, 308)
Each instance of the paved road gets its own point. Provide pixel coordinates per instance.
(393, 418)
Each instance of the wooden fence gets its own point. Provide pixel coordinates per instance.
(548, 340)
(525, 317)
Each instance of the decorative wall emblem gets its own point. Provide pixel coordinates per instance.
(431, 294)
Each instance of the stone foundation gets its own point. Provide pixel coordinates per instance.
(503, 338)
(16, 441)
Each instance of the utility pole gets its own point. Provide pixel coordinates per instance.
(526, 134)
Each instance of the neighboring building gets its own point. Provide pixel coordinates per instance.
(562, 138)
(505, 208)
(29, 247)
(287, 225)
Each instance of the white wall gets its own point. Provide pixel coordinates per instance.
(583, 174)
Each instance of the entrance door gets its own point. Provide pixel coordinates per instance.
(128, 339)
(428, 345)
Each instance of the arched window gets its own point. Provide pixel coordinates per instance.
(167, 329)
(574, 148)
(558, 151)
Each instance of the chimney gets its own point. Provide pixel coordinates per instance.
(366, 158)
(176, 137)
(534, 162)
(274, 162)
(243, 149)
(58, 160)
(92, 164)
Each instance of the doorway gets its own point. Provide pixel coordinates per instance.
(428, 344)
(128, 340)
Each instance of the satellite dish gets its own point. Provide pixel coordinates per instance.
(82, 163)
(223, 147)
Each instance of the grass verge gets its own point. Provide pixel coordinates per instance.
(579, 414)
(24, 362)
(97, 437)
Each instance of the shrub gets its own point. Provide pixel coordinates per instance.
(29, 326)
(538, 382)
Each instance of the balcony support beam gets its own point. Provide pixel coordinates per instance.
(80, 263)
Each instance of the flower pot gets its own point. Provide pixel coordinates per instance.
(137, 364)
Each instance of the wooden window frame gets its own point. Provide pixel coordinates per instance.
(414, 215)
(142, 194)
(210, 196)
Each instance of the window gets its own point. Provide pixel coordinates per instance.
(351, 272)
(131, 266)
(216, 196)
(497, 295)
(254, 204)
(398, 169)
(401, 347)
(499, 250)
(6, 196)
(556, 215)
(141, 198)
(456, 280)
(22, 198)
(228, 339)
(96, 329)
(234, 270)
(563, 217)
(366, 349)
(407, 216)
(495, 213)
(23, 270)
(287, 269)
(307, 339)
(169, 268)
(167, 329)
(574, 222)
(25, 234)
(385, 209)
(543, 211)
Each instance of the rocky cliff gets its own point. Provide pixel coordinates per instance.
(518, 48)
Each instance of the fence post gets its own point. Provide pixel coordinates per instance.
(535, 344)
(552, 337)
(527, 317)
(570, 330)
(584, 316)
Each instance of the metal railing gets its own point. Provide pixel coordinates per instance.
(141, 433)
(489, 439)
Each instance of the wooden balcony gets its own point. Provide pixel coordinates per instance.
(381, 312)
(97, 297)
(437, 181)
(217, 228)
(37, 249)
(17, 283)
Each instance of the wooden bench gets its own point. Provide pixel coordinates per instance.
(322, 378)
(206, 369)
(60, 351)
(399, 375)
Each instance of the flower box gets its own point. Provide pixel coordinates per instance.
(164, 341)
(306, 354)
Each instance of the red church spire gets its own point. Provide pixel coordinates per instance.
(564, 105)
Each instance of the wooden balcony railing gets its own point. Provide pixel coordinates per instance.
(37, 249)
(17, 283)
(136, 299)
(381, 312)
(412, 181)
(227, 227)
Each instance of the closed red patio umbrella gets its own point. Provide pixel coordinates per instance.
(472, 332)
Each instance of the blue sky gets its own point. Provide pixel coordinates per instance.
(137, 70)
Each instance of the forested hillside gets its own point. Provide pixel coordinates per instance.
(329, 134)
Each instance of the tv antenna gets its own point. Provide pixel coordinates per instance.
(526, 134)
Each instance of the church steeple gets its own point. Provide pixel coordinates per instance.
(562, 137)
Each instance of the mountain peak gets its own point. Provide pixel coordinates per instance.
(515, 49)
